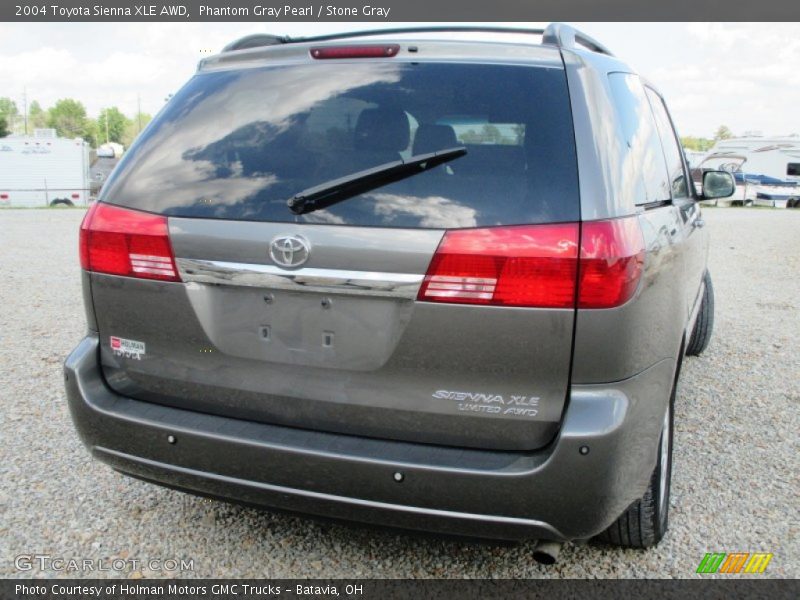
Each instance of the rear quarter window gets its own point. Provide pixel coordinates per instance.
(238, 144)
(645, 165)
(673, 155)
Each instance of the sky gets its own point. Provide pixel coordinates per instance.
(740, 75)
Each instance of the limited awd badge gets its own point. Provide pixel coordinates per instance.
(289, 251)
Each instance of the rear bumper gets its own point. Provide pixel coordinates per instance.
(555, 493)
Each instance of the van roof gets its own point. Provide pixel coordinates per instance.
(556, 34)
(463, 43)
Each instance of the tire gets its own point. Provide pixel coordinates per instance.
(704, 326)
(748, 203)
(61, 202)
(645, 521)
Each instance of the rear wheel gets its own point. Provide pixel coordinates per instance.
(704, 326)
(645, 521)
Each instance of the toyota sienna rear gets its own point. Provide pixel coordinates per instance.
(431, 283)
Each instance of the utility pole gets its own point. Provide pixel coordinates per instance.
(106, 119)
(25, 107)
(139, 112)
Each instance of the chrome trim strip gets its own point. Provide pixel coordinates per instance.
(328, 281)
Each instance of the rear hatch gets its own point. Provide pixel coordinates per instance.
(231, 303)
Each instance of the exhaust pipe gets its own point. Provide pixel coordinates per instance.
(546, 552)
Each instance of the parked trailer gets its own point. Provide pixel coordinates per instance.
(38, 171)
(752, 188)
(777, 158)
(776, 199)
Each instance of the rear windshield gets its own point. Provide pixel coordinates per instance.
(239, 144)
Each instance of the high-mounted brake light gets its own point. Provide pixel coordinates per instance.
(126, 242)
(371, 51)
(538, 265)
(533, 266)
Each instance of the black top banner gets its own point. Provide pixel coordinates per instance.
(399, 10)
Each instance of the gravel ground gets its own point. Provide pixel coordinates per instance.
(735, 481)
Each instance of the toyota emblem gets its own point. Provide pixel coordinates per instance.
(289, 251)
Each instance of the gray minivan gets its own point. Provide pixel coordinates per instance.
(404, 278)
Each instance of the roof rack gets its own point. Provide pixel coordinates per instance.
(556, 34)
(256, 40)
(565, 36)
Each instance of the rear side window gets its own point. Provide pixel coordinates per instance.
(644, 156)
(239, 144)
(793, 169)
(669, 142)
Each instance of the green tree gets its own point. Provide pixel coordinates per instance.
(723, 133)
(8, 113)
(91, 133)
(37, 117)
(111, 125)
(695, 143)
(132, 128)
(470, 136)
(68, 118)
(4, 131)
(492, 134)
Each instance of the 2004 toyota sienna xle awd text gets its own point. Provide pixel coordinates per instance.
(406, 279)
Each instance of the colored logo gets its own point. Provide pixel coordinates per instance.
(736, 562)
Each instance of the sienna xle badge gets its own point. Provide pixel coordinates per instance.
(405, 278)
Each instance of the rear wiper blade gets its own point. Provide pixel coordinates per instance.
(334, 191)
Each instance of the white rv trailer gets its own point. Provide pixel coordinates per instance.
(774, 157)
(43, 171)
(767, 170)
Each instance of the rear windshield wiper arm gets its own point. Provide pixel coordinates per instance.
(329, 193)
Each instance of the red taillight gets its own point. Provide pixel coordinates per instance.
(371, 51)
(612, 258)
(3, 196)
(510, 266)
(126, 242)
(538, 265)
(83, 244)
(76, 196)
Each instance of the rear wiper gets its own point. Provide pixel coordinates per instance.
(349, 186)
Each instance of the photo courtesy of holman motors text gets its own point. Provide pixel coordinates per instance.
(133, 589)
